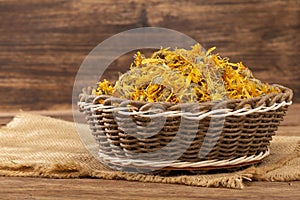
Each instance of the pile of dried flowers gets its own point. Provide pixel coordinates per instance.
(181, 76)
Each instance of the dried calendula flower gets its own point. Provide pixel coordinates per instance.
(239, 80)
(151, 83)
(182, 75)
(104, 87)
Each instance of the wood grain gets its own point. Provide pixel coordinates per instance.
(40, 188)
(43, 43)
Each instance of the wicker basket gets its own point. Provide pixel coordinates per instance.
(220, 134)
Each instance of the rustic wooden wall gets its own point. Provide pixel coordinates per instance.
(42, 43)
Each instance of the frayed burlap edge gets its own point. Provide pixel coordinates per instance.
(71, 170)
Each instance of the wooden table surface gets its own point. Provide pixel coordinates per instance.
(42, 188)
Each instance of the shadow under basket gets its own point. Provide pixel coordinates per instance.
(189, 136)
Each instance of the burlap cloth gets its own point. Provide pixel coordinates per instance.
(38, 146)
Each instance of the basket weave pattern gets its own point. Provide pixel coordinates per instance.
(121, 127)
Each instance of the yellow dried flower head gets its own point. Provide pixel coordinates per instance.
(104, 87)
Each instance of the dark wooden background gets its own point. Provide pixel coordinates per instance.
(43, 42)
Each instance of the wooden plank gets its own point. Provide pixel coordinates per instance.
(292, 117)
(42, 44)
(40, 188)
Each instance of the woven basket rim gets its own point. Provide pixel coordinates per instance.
(286, 95)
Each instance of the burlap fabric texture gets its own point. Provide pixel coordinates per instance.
(38, 146)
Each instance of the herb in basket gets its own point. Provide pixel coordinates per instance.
(182, 76)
